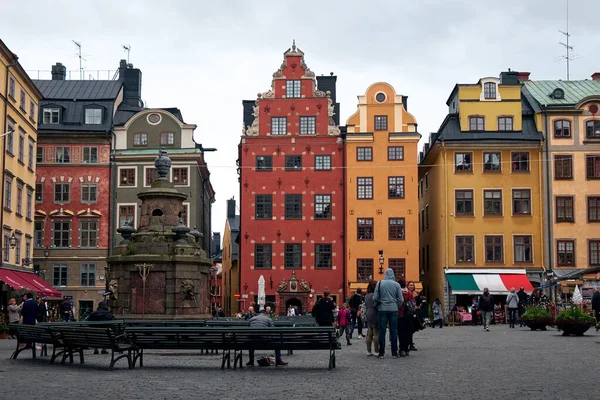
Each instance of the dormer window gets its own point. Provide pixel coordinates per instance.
(93, 116)
(558, 94)
(489, 90)
(593, 129)
(50, 116)
(292, 89)
(476, 123)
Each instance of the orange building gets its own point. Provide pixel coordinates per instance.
(381, 178)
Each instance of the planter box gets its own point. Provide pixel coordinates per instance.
(576, 328)
(539, 323)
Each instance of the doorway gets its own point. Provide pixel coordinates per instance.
(85, 309)
(294, 302)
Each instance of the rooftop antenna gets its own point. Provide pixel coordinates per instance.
(568, 48)
(127, 48)
(78, 44)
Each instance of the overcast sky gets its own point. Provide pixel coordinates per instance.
(205, 57)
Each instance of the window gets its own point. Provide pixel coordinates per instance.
(395, 187)
(38, 234)
(426, 181)
(32, 110)
(185, 207)
(398, 265)
(564, 209)
(593, 206)
(292, 256)
(140, 139)
(492, 202)
(523, 249)
(562, 128)
(364, 269)
(23, 101)
(6, 252)
(521, 201)
(167, 138)
(90, 155)
(476, 123)
(427, 216)
(88, 234)
(93, 116)
(18, 249)
(88, 274)
(364, 154)
(505, 123)
(12, 87)
(293, 163)
(322, 163)
(396, 153)
(39, 192)
(308, 125)
(10, 140)
(127, 177)
(39, 155)
(323, 256)
(489, 90)
(151, 176)
(180, 176)
(594, 252)
(364, 188)
(61, 193)
(422, 222)
(566, 252)
(264, 206)
(89, 192)
(381, 123)
(264, 163)
(492, 162)
(563, 167)
(293, 89)
(593, 167)
(278, 125)
(520, 162)
(31, 157)
(8, 193)
(494, 252)
(592, 129)
(126, 215)
(262, 256)
(60, 275)
(463, 162)
(293, 206)
(365, 228)
(464, 202)
(61, 234)
(396, 229)
(420, 188)
(28, 248)
(21, 147)
(29, 209)
(50, 116)
(322, 206)
(19, 199)
(464, 249)
(63, 155)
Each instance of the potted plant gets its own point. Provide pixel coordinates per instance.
(573, 321)
(4, 327)
(537, 317)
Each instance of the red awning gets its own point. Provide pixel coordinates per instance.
(28, 280)
(516, 281)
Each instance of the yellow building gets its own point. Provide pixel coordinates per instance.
(230, 261)
(569, 114)
(18, 118)
(381, 189)
(480, 189)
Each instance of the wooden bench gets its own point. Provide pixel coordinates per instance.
(31, 335)
(78, 338)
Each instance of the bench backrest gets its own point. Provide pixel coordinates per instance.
(84, 336)
(165, 323)
(285, 338)
(35, 333)
(176, 337)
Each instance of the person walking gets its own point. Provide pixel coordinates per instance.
(388, 298)
(29, 311)
(42, 310)
(416, 320)
(14, 317)
(486, 306)
(474, 308)
(405, 320)
(354, 304)
(512, 303)
(322, 311)
(102, 313)
(262, 320)
(523, 300)
(344, 320)
(372, 320)
(438, 316)
(596, 306)
(65, 310)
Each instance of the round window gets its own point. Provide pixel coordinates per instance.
(154, 118)
(380, 97)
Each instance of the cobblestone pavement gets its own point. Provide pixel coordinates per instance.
(451, 363)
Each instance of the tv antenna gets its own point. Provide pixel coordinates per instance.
(567, 46)
(78, 44)
(127, 48)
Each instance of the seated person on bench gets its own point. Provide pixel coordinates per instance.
(261, 320)
(101, 314)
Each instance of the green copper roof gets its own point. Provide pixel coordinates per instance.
(575, 91)
(155, 151)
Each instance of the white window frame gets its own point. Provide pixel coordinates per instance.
(119, 168)
(135, 214)
(93, 118)
(147, 167)
(48, 112)
(189, 178)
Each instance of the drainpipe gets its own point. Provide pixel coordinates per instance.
(447, 219)
(344, 205)
(111, 139)
(549, 203)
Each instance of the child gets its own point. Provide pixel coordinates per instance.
(343, 321)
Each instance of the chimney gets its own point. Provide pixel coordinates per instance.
(405, 102)
(421, 156)
(509, 78)
(59, 72)
(132, 84)
(596, 76)
(523, 76)
(216, 243)
(426, 147)
(231, 208)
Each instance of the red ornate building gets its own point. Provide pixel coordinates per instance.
(291, 185)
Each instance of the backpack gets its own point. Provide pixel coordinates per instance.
(409, 308)
(363, 311)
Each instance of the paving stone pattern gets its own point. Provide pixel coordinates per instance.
(451, 363)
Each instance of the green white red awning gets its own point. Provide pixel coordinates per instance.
(473, 281)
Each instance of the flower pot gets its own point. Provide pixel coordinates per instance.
(538, 323)
(573, 327)
(3, 335)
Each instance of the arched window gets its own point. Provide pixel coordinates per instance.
(562, 128)
(592, 129)
(489, 90)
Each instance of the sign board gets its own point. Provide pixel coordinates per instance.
(236, 295)
(244, 296)
(68, 297)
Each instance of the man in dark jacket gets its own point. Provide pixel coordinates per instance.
(101, 314)
(29, 311)
(322, 312)
(354, 304)
(65, 310)
(262, 320)
(486, 306)
(523, 299)
(596, 306)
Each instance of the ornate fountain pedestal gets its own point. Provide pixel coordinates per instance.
(160, 270)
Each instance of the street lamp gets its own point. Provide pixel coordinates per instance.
(381, 261)
(12, 241)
